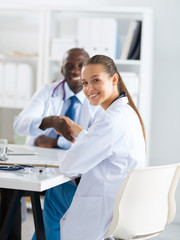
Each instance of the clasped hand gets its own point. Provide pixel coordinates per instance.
(73, 127)
(64, 126)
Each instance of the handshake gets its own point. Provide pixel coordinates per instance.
(64, 126)
(70, 128)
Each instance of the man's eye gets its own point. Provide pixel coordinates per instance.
(68, 67)
(80, 65)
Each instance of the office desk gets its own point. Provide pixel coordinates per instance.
(34, 182)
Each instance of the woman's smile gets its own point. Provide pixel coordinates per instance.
(93, 96)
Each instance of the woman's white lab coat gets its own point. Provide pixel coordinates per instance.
(44, 104)
(104, 155)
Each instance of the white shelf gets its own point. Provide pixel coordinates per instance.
(128, 62)
(18, 59)
(117, 61)
(61, 22)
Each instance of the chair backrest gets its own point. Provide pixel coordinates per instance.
(145, 203)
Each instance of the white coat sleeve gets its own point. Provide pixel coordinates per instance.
(90, 148)
(29, 120)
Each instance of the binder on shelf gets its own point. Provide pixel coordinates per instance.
(15, 84)
(98, 35)
(132, 45)
(84, 33)
(95, 46)
(24, 83)
(10, 82)
(60, 45)
(110, 37)
(1, 81)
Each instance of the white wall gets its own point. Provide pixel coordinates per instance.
(165, 138)
(165, 130)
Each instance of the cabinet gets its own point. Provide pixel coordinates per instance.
(45, 33)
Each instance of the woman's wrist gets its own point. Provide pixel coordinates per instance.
(76, 129)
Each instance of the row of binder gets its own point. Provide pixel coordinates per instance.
(15, 83)
(95, 35)
(101, 36)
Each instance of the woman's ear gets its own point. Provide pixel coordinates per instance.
(115, 79)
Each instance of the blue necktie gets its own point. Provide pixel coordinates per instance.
(71, 112)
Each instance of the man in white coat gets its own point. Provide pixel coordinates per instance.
(40, 120)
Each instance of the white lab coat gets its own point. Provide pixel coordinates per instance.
(43, 104)
(104, 155)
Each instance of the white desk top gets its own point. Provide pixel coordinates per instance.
(44, 156)
(34, 180)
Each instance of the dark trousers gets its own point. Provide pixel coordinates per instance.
(5, 199)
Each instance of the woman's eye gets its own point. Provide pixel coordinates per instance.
(96, 80)
(84, 83)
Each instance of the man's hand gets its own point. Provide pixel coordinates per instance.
(60, 125)
(74, 126)
(45, 141)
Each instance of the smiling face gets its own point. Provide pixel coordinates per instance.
(71, 68)
(98, 86)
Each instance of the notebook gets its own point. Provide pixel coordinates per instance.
(20, 150)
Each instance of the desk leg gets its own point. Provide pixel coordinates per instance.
(10, 214)
(37, 214)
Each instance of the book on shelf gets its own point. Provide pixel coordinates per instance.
(132, 45)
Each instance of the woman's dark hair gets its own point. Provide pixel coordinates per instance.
(111, 69)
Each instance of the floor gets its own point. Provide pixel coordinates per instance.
(28, 227)
(172, 232)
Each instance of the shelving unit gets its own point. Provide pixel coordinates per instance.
(33, 29)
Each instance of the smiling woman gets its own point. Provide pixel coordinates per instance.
(102, 155)
(95, 72)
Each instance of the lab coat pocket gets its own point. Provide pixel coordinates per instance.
(83, 220)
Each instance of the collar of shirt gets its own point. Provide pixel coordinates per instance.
(119, 101)
(80, 95)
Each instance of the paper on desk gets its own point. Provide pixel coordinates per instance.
(33, 162)
(49, 158)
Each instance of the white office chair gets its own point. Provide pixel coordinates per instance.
(145, 204)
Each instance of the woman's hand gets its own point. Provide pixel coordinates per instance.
(74, 126)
